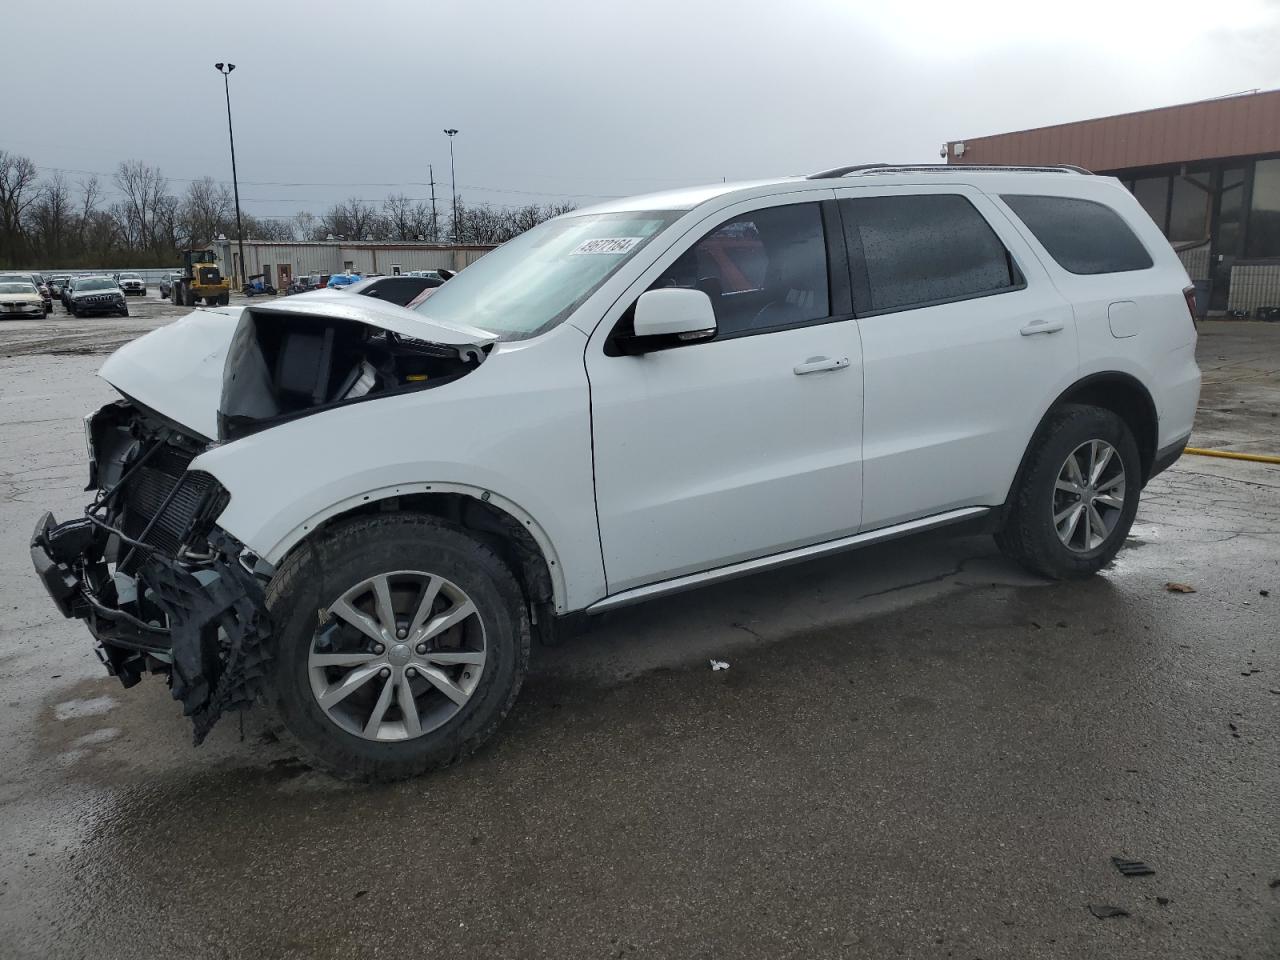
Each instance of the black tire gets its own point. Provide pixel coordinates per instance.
(1028, 534)
(318, 573)
(124, 311)
(224, 299)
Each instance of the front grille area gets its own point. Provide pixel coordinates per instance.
(163, 498)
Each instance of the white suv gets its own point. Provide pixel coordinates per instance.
(363, 513)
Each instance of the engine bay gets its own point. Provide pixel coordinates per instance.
(282, 366)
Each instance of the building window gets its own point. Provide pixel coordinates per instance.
(1153, 194)
(1264, 217)
(1189, 214)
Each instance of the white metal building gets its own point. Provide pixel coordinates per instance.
(283, 261)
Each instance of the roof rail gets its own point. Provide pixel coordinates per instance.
(845, 171)
(837, 172)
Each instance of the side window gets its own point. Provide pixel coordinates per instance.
(1082, 236)
(764, 269)
(923, 249)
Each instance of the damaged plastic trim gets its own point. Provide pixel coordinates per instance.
(218, 627)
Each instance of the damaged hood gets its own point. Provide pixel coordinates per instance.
(177, 370)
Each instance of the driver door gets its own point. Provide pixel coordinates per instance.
(747, 444)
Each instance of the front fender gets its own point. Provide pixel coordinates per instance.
(554, 565)
(517, 429)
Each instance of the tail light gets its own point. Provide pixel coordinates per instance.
(1190, 294)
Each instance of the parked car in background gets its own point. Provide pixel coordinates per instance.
(166, 284)
(132, 284)
(92, 295)
(36, 280)
(21, 298)
(55, 286)
(398, 290)
(343, 280)
(67, 287)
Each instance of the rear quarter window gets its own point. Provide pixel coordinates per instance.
(1082, 236)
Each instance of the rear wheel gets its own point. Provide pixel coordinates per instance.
(400, 644)
(1077, 494)
(224, 299)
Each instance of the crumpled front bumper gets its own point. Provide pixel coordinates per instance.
(209, 622)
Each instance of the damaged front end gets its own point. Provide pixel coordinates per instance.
(161, 588)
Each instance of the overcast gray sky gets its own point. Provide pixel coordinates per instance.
(561, 99)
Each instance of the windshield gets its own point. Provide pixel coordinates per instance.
(531, 283)
(11, 287)
(95, 284)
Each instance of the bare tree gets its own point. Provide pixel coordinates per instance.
(482, 223)
(305, 225)
(17, 194)
(353, 219)
(398, 211)
(275, 229)
(53, 216)
(90, 193)
(142, 212)
(207, 210)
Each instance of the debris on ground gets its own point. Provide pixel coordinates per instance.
(719, 664)
(1104, 911)
(1132, 868)
(1175, 587)
(1163, 901)
(1264, 593)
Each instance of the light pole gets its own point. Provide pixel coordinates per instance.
(453, 182)
(225, 69)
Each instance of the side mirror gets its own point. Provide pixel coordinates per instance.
(675, 312)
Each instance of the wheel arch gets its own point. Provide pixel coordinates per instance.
(517, 536)
(1121, 393)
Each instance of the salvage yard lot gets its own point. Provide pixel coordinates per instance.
(917, 750)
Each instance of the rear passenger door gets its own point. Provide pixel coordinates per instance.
(965, 344)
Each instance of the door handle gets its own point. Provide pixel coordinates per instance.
(819, 364)
(1041, 326)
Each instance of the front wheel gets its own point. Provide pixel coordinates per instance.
(400, 643)
(1076, 496)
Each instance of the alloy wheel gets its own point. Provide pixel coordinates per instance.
(1089, 496)
(397, 655)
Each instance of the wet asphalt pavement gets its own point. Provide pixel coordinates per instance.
(917, 751)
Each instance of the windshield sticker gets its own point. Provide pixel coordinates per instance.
(610, 245)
